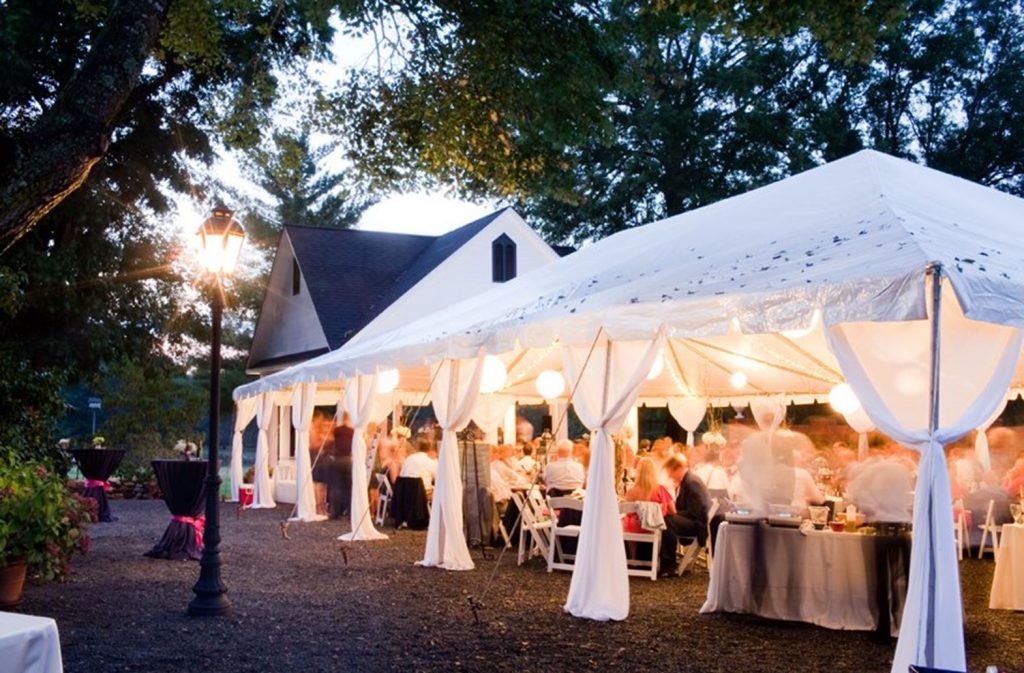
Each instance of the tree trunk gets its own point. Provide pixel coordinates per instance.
(54, 157)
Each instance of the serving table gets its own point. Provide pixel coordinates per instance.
(96, 466)
(29, 644)
(183, 485)
(836, 580)
(1008, 580)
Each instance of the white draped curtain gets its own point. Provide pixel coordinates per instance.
(245, 410)
(688, 412)
(361, 403)
(861, 423)
(609, 375)
(981, 449)
(769, 413)
(888, 365)
(263, 488)
(303, 403)
(490, 413)
(454, 391)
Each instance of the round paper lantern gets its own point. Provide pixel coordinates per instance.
(657, 368)
(801, 333)
(738, 380)
(387, 380)
(843, 399)
(550, 384)
(492, 379)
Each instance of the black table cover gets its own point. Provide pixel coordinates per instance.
(410, 503)
(184, 489)
(97, 465)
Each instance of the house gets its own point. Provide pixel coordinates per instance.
(329, 287)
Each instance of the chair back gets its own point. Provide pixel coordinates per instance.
(565, 503)
(628, 508)
(383, 485)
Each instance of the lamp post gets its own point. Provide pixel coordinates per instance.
(220, 241)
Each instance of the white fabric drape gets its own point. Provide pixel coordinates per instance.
(607, 379)
(490, 413)
(360, 402)
(262, 487)
(509, 424)
(688, 412)
(769, 413)
(888, 367)
(860, 422)
(454, 391)
(981, 440)
(303, 402)
(245, 410)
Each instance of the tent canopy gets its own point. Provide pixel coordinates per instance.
(845, 242)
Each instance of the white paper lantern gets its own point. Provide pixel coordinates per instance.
(738, 380)
(387, 381)
(550, 384)
(801, 333)
(657, 368)
(843, 399)
(493, 378)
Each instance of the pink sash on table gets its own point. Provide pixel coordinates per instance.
(198, 523)
(96, 483)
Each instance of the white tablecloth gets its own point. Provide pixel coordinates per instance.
(1008, 581)
(29, 644)
(823, 578)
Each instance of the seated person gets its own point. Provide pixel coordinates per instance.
(647, 489)
(527, 465)
(411, 488)
(563, 475)
(420, 464)
(690, 519)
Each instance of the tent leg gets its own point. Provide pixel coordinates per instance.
(933, 426)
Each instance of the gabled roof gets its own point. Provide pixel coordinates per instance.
(353, 275)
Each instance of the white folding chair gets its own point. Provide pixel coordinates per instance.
(558, 558)
(960, 516)
(712, 513)
(533, 524)
(990, 528)
(635, 566)
(689, 549)
(385, 494)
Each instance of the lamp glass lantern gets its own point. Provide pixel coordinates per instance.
(220, 241)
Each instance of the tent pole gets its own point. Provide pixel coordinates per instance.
(933, 425)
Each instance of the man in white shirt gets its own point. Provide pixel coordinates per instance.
(563, 475)
(420, 465)
(527, 465)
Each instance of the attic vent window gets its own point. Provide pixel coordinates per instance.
(296, 277)
(503, 259)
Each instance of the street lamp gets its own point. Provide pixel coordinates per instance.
(220, 241)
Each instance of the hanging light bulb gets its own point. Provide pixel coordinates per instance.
(550, 384)
(801, 333)
(657, 368)
(843, 399)
(738, 380)
(492, 379)
(387, 381)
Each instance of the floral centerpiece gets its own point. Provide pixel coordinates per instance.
(187, 450)
(99, 442)
(401, 432)
(41, 522)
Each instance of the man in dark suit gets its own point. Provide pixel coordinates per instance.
(692, 501)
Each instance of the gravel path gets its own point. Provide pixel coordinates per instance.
(298, 606)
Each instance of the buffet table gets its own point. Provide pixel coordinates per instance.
(29, 644)
(183, 485)
(821, 577)
(1008, 581)
(96, 466)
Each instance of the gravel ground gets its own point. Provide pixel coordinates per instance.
(298, 606)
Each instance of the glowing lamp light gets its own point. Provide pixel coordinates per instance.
(657, 368)
(801, 333)
(738, 380)
(387, 381)
(492, 379)
(843, 399)
(550, 384)
(220, 241)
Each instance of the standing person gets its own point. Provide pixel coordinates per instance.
(340, 488)
(320, 448)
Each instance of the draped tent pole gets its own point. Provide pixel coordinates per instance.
(933, 428)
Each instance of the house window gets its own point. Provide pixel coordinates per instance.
(296, 277)
(503, 259)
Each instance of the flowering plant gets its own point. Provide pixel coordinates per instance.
(186, 449)
(401, 431)
(713, 438)
(99, 442)
(40, 520)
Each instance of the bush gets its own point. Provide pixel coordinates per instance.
(41, 520)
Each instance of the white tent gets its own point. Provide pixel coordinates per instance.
(833, 274)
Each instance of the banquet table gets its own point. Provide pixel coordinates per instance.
(820, 577)
(182, 483)
(29, 644)
(96, 466)
(1008, 581)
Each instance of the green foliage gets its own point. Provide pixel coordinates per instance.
(40, 520)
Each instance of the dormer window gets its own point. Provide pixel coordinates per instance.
(296, 278)
(503, 259)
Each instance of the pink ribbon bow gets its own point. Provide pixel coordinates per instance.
(96, 483)
(199, 523)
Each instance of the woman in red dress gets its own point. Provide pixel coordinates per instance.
(647, 489)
